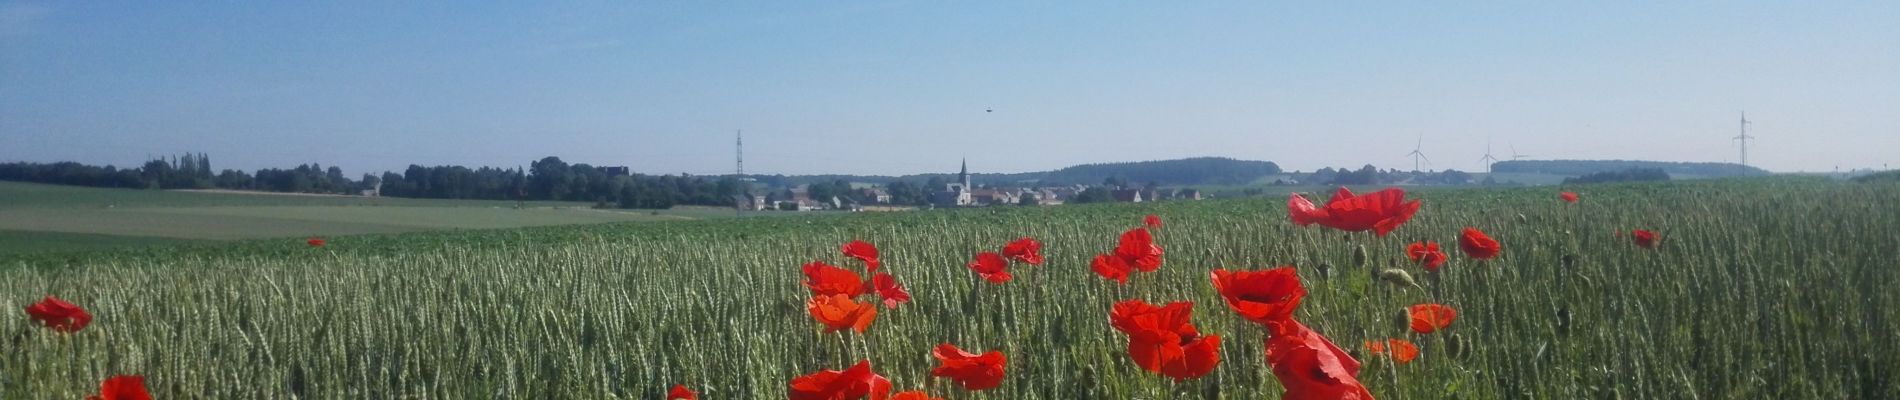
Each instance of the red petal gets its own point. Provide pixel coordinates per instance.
(892, 292)
(1478, 245)
(1260, 296)
(991, 266)
(1111, 267)
(680, 392)
(1026, 249)
(1428, 318)
(124, 387)
(1302, 211)
(825, 279)
(864, 251)
(972, 371)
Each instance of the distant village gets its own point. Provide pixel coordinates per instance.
(956, 194)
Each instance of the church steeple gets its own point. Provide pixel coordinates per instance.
(963, 174)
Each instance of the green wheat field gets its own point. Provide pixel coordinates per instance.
(1762, 288)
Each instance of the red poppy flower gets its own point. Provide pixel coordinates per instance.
(680, 392)
(1477, 245)
(972, 371)
(1112, 267)
(1027, 250)
(314, 242)
(1426, 254)
(1401, 350)
(1260, 296)
(992, 267)
(838, 312)
(122, 387)
(59, 315)
(1645, 238)
(1310, 367)
(1138, 248)
(852, 383)
(1380, 212)
(824, 279)
(1428, 318)
(1152, 221)
(862, 250)
(1161, 340)
(892, 292)
(1569, 197)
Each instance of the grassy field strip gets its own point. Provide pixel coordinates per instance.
(164, 224)
(34, 195)
(13, 242)
(39, 218)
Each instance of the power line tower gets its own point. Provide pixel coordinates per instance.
(1743, 138)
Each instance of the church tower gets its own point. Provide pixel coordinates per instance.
(963, 174)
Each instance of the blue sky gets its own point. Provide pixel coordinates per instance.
(901, 87)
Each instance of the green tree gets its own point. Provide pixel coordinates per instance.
(1094, 195)
(548, 179)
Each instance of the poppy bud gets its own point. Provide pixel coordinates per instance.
(1359, 256)
(1398, 276)
(1455, 345)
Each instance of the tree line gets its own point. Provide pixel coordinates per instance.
(1584, 167)
(546, 179)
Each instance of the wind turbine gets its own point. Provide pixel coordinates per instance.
(1514, 154)
(1416, 154)
(1487, 159)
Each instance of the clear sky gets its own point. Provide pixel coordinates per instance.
(901, 87)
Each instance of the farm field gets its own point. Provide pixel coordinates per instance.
(35, 217)
(1760, 288)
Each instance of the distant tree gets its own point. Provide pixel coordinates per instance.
(1453, 177)
(1094, 195)
(369, 182)
(233, 179)
(1367, 175)
(549, 179)
(155, 173)
(903, 192)
(71, 173)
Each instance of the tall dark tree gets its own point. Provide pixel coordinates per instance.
(548, 179)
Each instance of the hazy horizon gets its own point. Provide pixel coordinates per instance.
(902, 88)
